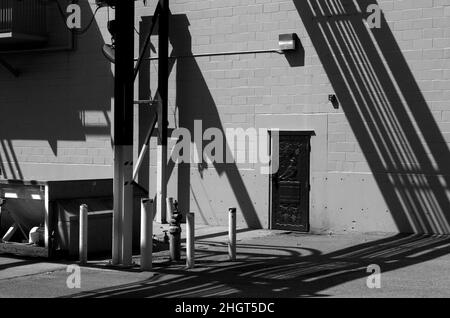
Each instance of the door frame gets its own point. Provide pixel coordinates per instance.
(291, 132)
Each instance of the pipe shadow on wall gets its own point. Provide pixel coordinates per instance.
(195, 102)
(387, 112)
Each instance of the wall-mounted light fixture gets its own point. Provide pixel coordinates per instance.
(287, 42)
(109, 52)
(109, 49)
(334, 101)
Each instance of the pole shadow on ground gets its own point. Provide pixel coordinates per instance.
(279, 271)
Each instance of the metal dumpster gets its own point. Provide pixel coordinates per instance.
(54, 206)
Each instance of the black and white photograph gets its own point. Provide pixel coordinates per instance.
(221, 156)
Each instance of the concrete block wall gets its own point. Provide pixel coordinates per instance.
(378, 162)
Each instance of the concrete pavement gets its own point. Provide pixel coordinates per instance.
(269, 264)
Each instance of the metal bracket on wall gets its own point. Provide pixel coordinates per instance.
(14, 71)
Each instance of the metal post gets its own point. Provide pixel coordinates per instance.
(144, 148)
(190, 240)
(175, 234)
(163, 87)
(232, 233)
(47, 225)
(123, 133)
(144, 49)
(146, 234)
(127, 208)
(174, 243)
(161, 186)
(83, 233)
(169, 208)
(117, 212)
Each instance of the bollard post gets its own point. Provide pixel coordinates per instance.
(175, 235)
(169, 209)
(83, 240)
(232, 234)
(147, 212)
(190, 240)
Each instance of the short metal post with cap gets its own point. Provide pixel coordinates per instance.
(147, 212)
(83, 241)
(232, 234)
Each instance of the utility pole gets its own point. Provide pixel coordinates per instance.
(163, 79)
(123, 133)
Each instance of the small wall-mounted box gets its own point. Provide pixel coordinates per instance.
(287, 42)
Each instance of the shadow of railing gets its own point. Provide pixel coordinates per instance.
(402, 144)
(387, 112)
(9, 159)
(280, 271)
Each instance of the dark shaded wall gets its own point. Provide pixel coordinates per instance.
(56, 115)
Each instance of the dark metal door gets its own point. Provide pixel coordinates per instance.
(290, 185)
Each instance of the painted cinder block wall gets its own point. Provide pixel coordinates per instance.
(56, 115)
(379, 163)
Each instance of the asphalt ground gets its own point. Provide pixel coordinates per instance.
(269, 264)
